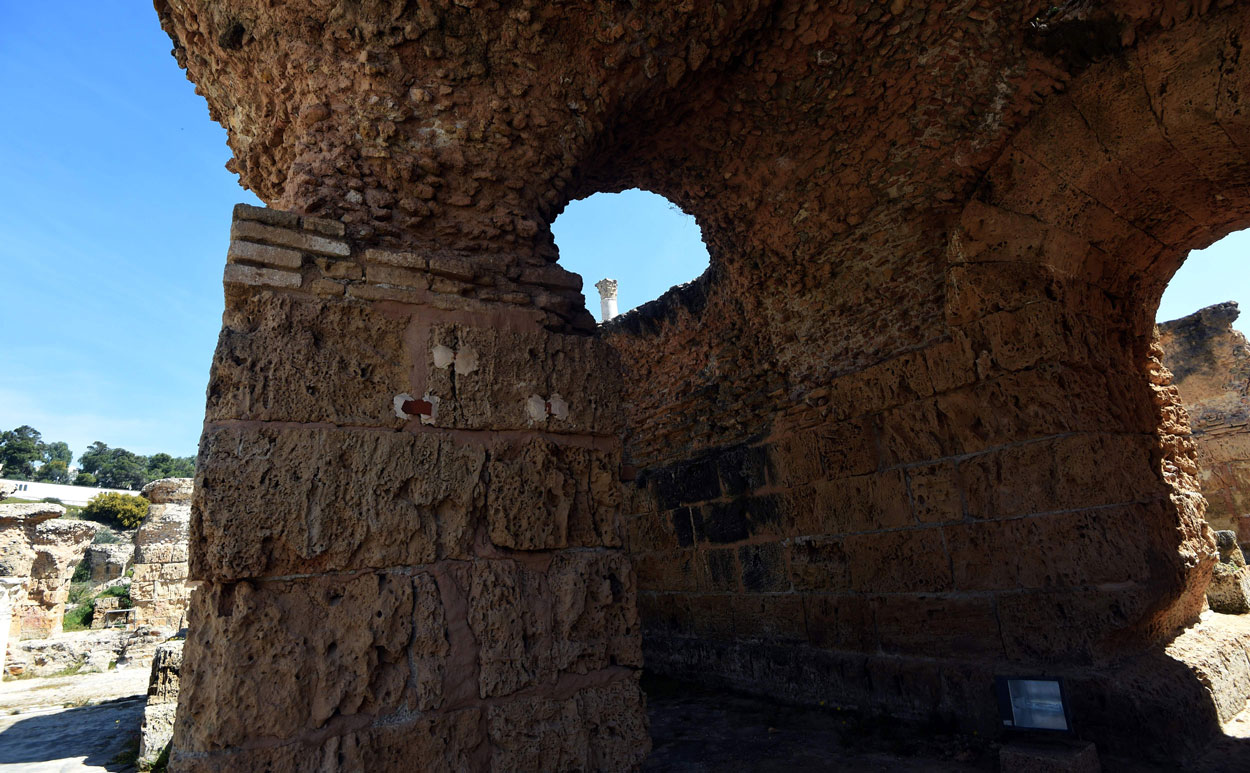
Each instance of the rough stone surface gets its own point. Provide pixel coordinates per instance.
(158, 715)
(109, 561)
(1229, 591)
(1210, 362)
(938, 234)
(159, 590)
(35, 543)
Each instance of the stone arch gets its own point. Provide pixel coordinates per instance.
(1079, 226)
(857, 471)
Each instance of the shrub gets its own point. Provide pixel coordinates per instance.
(82, 572)
(120, 591)
(105, 536)
(52, 501)
(124, 511)
(79, 618)
(78, 591)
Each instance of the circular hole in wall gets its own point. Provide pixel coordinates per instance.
(641, 239)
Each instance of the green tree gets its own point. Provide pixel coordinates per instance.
(166, 466)
(57, 452)
(114, 467)
(53, 472)
(121, 511)
(20, 450)
(85, 479)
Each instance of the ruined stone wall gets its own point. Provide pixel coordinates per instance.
(405, 520)
(159, 590)
(42, 549)
(1210, 364)
(1009, 485)
(909, 432)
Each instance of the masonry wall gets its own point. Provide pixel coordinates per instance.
(404, 526)
(1210, 364)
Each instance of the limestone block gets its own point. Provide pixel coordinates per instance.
(277, 659)
(500, 379)
(595, 618)
(898, 561)
(169, 491)
(544, 495)
(327, 499)
(283, 359)
(512, 625)
(1229, 591)
(158, 715)
(439, 742)
(598, 728)
(109, 561)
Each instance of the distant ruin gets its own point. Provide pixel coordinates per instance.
(440, 517)
(159, 589)
(41, 549)
(1210, 364)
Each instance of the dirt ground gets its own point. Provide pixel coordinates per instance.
(78, 724)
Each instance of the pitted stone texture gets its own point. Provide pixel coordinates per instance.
(532, 626)
(1229, 591)
(322, 499)
(598, 728)
(445, 741)
(1210, 364)
(169, 491)
(286, 359)
(494, 374)
(109, 561)
(36, 544)
(544, 495)
(158, 715)
(279, 659)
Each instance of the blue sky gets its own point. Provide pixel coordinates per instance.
(114, 220)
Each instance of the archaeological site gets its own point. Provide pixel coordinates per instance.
(912, 447)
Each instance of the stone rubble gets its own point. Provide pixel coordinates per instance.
(1229, 591)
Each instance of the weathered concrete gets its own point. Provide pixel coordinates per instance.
(938, 234)
(1210, 363)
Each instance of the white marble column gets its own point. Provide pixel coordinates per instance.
(607, 298)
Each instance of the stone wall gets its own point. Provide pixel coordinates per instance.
(405, 520)
(36, 544)
(909, 431)
(1210, 364)
(108, 561)
(159, 590)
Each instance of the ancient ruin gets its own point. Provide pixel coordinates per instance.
(42, 549)
(109, 561)
(162, 705)
(1210, 364)
(159, 589)
(440, 517)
